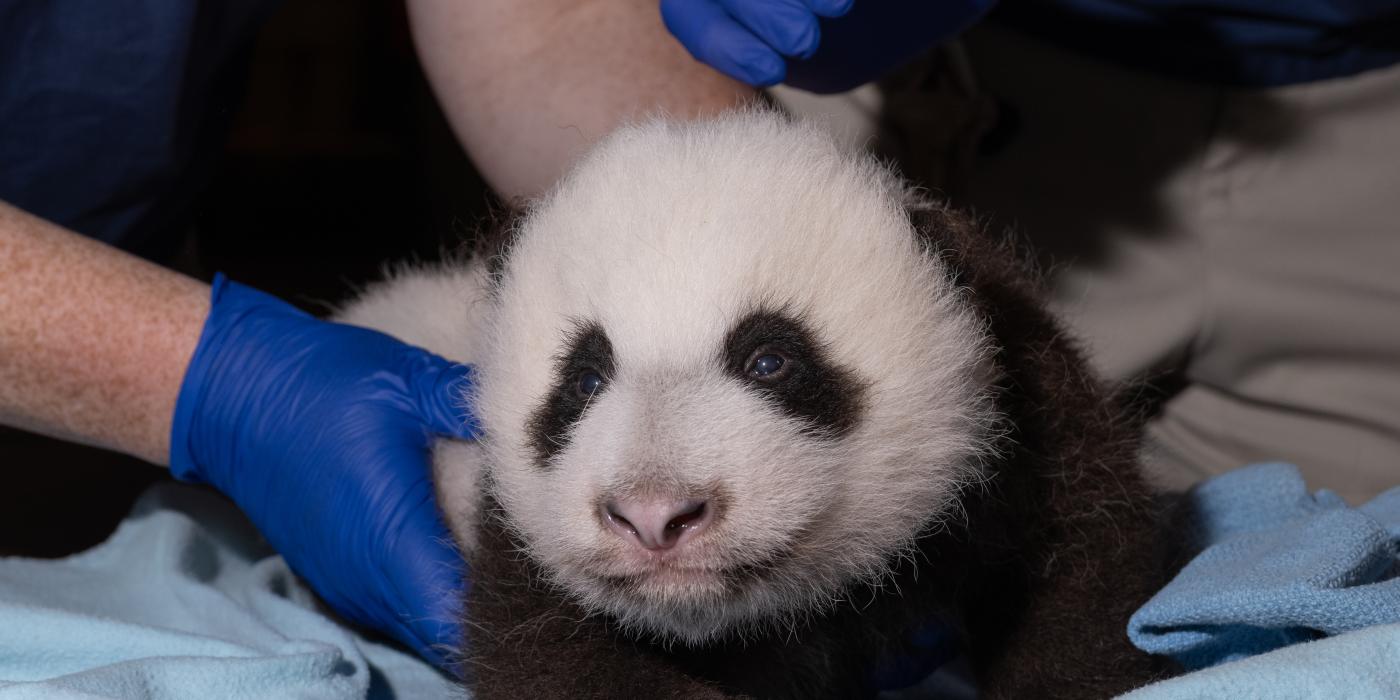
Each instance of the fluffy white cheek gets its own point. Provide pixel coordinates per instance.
(912, 457)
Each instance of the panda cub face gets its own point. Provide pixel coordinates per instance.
(725, 382)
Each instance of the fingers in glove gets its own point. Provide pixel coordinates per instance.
(714, 37)
(427, 582)
(442, 391)
(787, 26)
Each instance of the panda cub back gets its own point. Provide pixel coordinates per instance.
(728, 388)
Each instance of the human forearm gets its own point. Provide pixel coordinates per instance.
(529, 84)
(277, 410)
(93, 342)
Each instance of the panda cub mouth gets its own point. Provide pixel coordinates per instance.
(728, 580)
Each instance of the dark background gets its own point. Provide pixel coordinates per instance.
(338, 161)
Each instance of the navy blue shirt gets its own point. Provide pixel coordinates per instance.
(112, 112)
(1232, 42)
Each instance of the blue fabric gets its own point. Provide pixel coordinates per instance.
(1279, 566)
(879, 35)
(1358, 665)
(1232, 42)
(111, 112)
(185, 600)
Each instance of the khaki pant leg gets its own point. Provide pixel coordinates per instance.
(1251, 236)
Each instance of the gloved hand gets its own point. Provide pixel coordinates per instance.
(320, 432)
(748, 40)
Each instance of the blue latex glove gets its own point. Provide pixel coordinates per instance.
(320, 432)
(748, 40)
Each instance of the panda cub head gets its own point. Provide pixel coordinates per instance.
(726, 382)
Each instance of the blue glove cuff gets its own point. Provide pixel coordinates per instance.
(229, 303)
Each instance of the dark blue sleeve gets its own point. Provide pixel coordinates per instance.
(877, 35)
(111, 112)
(1253, 43)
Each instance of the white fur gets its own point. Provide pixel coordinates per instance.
(666, 235)
(441, 308)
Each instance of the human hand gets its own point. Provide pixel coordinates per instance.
(748, 39)
(822, 46)
(320, 432)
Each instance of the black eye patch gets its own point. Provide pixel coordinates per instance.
(779, 357)
(581, 374)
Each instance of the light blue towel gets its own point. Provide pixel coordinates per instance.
(1360, 665)
(185, 600)
(1279, 566)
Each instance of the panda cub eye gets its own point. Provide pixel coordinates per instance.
(780, 359)
(588, 384)
(768, 364)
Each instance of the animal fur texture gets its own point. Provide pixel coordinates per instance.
(931, 444)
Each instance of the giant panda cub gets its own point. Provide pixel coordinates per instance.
(754, 413)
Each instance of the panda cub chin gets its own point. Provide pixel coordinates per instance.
(754, 412)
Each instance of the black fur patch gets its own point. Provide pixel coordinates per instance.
(587, 349)
(812, 388)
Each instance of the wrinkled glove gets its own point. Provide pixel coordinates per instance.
(320, 432)
(802, 43)
(747, 39)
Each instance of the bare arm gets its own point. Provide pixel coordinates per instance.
(528, 84)
(93, 342)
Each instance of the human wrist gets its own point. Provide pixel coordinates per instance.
(93, 341)
(210, 407)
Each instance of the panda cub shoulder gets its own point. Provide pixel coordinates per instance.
(750, 405)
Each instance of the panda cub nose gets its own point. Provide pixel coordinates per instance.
(657, 524)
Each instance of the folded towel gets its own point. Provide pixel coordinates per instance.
(1358, 665)
(185, 600)
(1278, 566)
